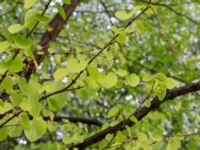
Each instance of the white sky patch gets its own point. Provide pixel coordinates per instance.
(128, 97)
(59, 135)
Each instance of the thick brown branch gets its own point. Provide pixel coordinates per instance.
(140, 113)
(55, 27)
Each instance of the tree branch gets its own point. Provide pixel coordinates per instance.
(56, 25)
(171, 9)
(99, 53)
(79, 119)
(140, 113)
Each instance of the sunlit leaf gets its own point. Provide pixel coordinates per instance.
(22, 42)
(67, 2)
(133, 80)
(15, 28)
(113, 112)
(29, 3)
(4, 45)
(61, 11)
(38, 129)
(123, 15)
(109, 80)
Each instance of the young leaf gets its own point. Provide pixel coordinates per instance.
(61, 11)
(6, 107)
(22, 42)
(133, 118)
(162, 92)
(133, 80)
(17, 65)
(4, 45)
(31, 18)
(147, 103)
(16, 98)
(67, 139)
(146, 76)
(113, 112)
(121, 72)
(29, 3)
(68, 2)
(37, 130)
(123, 15)
(109, 80)
(171, 83)
(15, 28)
(122, 38)
(36, 109)
(4, 133)
(25, 121)
(60, 74)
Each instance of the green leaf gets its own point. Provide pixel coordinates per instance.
(38, 129)
(31, 90)
(6, 107)
(146, 76)
(4, 45)
(29, 3)
(15, 129)
(68, 2)
(133, 80)
(122, 38)
(113, 112)
(4, 133)
(17, 65)
(16, 98)
(160, 76)
(118, 30)
(173, 144)
(171, 83)
(42, 19)
(60, 74)
(121, 72)
(74, 66)
(61, 11)
(120, 137)
(149, 11)
(30, 18)
(108, 136)
(130, 29)
(7, 84)
(67, 139)
(25, 121)
(123, 15)
(133, 118)
(25, 105)
(91, 83)
(139, 25)
(141, 136)
(93, 71)
(52, 126)
(162, 92)
(109, 80)
(15, 28)
(36, 109)
(22, 42)
(147, 103)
